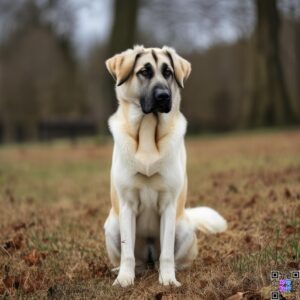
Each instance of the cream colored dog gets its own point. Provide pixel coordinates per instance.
(148, 221)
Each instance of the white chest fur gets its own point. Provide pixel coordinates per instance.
(148, 154)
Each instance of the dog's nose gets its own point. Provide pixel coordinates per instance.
(161, 94)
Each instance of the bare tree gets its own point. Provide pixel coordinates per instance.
(123, 36)
(268, 99)
(39, 71)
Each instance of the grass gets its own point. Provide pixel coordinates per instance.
(54, 199)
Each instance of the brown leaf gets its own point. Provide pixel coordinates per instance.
(248, 239)
(287, 193)
(293, 265)
(2, 289)
(272, 195)
(14, 244)
(34, 257)
(24, 281)
(289, 229)
(19, 226)
(158, 296)
(99, 270)
(18, 241)
(31, 285)
(208, 260)
(246, 296)
(92, 212)
(202, 283)
(252, 201)
(13, 281)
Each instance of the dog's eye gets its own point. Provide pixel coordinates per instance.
(144, 72)
(167, 73)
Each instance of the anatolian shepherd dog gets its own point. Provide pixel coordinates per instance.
(148, 221)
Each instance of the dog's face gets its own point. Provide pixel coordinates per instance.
(149, 77)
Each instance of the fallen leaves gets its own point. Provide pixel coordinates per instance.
(22, 225)
(257, 201)
(27, 282)
(293, 265)
(34, 257)
(99, 269)
(272, 195)
(287, 193)
(15, 243)
(18, 226)
(248, 239)
(252, 201)
(209, 260)
(246, 296)
(289, 229)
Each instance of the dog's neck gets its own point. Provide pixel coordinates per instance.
(147, 130)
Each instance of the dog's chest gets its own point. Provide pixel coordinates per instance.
(147, 154)
(148, 216)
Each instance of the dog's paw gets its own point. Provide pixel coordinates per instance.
(168, 279)
(124, 279)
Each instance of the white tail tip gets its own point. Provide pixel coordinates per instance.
(206, 219)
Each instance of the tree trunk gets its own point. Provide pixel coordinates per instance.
(269, 103)
(123, 36)
(297, 72)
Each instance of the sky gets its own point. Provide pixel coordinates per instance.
(93, 24)
(178, 23)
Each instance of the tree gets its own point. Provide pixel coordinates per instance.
(123, 36)
(268, 100)
(40, 75)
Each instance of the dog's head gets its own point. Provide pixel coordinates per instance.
(149, 77)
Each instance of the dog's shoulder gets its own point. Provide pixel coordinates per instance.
(172, 133)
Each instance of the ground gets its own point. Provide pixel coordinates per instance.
(54, 198)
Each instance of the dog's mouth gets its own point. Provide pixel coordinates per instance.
(159, 101)
(156, 107)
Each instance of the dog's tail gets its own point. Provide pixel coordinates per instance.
(206, 219)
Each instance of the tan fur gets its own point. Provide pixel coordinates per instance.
(114, 199)
(182, 67)
(120, 65)
(181, 201)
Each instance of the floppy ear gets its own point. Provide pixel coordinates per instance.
(181, 66)
(121, 65)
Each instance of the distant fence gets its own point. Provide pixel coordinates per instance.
(52, 129)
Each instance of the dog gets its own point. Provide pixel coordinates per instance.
(148, 221)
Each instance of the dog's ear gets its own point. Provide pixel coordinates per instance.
(181, 66)
(122, 65)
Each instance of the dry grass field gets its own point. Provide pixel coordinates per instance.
(54, 199)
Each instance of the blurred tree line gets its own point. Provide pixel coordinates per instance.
(249, 82)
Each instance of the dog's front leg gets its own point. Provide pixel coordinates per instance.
(127, 219)
(167, 241)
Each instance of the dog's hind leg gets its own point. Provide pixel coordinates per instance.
(186, 248)
(113, 239)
